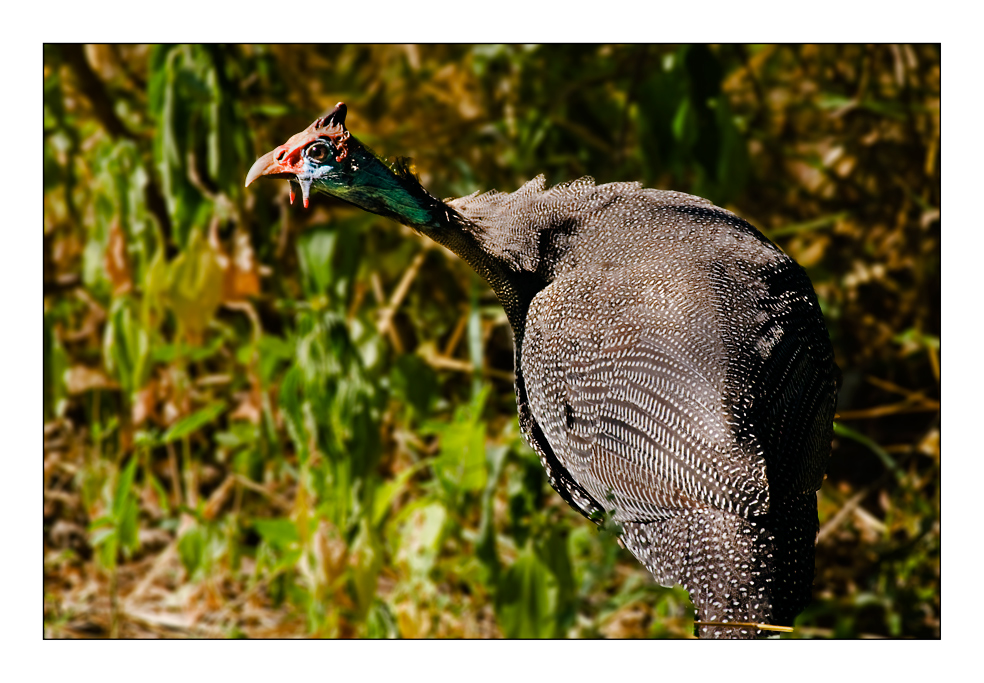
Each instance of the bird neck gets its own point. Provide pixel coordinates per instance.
(514, 287)
(395, 192)
(391, 192)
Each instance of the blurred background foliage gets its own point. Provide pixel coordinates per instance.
(265, 421)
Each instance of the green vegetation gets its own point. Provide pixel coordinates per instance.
(265, 421)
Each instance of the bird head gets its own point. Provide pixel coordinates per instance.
(315, 157)
(325, 157)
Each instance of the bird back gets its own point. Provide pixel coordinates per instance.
(677, 376)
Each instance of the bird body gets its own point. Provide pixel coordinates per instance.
(673, 370)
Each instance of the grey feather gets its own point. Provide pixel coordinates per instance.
(673, 372)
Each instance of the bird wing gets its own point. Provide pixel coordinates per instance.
(694, 402)
(648, 411)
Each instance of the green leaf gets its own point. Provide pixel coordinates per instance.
(126, 346)
(279, 533)
(556, 556)
(104, 522)
(422, 536)
(485, 548)
(146, 438)
(55, 362)
(681, 121)
(526, 601)
(162, 497)
(107, 542)
(415, 382)
(380, 622)
(314, 254)
(195, 281)
(888, 460)
(101, 530)
(193, 422)
(272, 110)
(462, 465)
(240, 434)
(123, 486)
(273, 352)
(365, 574)
(127, 525)
(191, 548)
(388, 490)
(912, 339)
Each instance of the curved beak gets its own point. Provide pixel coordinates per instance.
(286, 161)
(277, 163)
(268, 165)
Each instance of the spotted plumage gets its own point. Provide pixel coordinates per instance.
(673, 370)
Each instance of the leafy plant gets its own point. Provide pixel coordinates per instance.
(303, 423)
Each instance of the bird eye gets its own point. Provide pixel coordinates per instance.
(317, 152)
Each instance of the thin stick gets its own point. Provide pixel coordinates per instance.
(172, 462)
(831, 525)
(386, 315)
(456, 335)
(854, 501)
(278, 500)
(892, 409)
(229, 607)
(762, 627)
(443, 363)
(160, 565)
